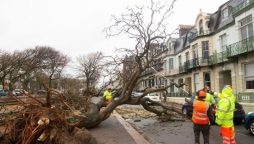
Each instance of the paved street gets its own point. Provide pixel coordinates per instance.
(182, 132)
(178, 132)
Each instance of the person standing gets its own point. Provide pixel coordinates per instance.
(224, 115)
(209, 98)
(201, 117)
(212, 102)
(108, 95)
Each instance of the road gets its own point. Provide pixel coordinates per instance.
(180, 132)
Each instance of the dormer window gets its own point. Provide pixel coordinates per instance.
(224, 14)
(201, 29)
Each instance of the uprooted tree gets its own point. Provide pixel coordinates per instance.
(59, 116)
(146, 31)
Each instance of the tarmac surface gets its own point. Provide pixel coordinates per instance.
(149, 130)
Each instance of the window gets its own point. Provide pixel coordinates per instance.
(145, 85)
(158, 82)
(207, 80)
(224, 14)
(201, 29)
(187, 57)
(223, 42)
(196, 82)
(205, 49)
(180, 60)
(249, 76)
(246, 27)
(172, 86)
(164, 48)
(165, 65)
(179, 82)
(171, 63)
(151, 82)
(195, 54)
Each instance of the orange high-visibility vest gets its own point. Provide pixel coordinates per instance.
(199, 115)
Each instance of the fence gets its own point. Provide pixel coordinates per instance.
(240, 97)
(178, 94)
(245, 97)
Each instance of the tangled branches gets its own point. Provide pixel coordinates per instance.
(38, 123)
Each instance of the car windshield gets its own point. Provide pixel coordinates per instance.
(152, 94)
(136, 94)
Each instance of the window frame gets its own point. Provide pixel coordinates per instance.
(204, 77)
(205, 49)
(250, 78)
(223, 42)
(246, 24)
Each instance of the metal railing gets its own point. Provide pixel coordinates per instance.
(178, 94)
(241, 6)
(218, 58)
(196, 62)
(241, 47)
(245, 97)
(236, 49)
(240, 97)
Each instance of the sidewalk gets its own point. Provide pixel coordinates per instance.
(248, 107)
(115, 130)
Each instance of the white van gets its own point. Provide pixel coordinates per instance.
(154, 96)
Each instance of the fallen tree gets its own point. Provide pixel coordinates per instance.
(60, 116)
(147, 31)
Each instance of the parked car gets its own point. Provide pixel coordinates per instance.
(239, 114)
(136, 94)
(154, 96)
(18, 92)
(3, 92)
(249, 122)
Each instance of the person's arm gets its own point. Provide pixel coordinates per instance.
(104, 94)
(210, 114)
(212, 99)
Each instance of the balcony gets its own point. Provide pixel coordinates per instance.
(147, 72)
(196, 62)
(243, 7)
(182, 69)
(241, 47)
(218, 58)
(171, 72)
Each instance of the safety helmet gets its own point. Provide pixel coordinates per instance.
(201, 94)
(227, 91)
(227, 86)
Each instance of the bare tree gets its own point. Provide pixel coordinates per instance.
(146, 31)
(53, 63)
(90, 69)
(16, 65)
(5, 66)
(71, 86)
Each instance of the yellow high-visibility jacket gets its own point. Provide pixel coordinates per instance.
(210, 99)
(225, 108)
(107, 95)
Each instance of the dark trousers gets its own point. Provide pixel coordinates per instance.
(205, 129)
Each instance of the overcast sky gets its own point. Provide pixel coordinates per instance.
(75, 26)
